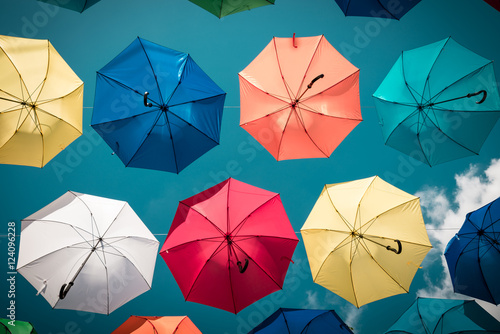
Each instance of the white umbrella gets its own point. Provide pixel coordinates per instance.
(87, 253)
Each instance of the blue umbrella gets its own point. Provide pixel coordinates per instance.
(76, 5)
(296, 321)
(438, 103)
(377, 8)
(444, 316)
(473, 255)
(156, 108)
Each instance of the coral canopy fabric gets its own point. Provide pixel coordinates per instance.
(365, 240)
(41, 102)
(230, 245)
(157, 325)
(299, 98)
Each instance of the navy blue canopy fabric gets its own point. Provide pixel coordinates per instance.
(473, 255)
(377, 8)
(156, 108)
(297, 321)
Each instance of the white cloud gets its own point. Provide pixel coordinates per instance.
(444, 217)
(312, 301)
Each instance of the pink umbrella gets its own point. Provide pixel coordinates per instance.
(230, 245)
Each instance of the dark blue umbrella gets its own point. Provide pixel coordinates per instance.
(473, 255)
(76, 5)
(377, 8)
(156, 108)
(296, 321)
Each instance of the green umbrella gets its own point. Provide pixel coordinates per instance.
(16, 327)
(222, 8)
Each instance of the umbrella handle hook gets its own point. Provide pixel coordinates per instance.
(314, 80)
(65, 289)
(482, 91)
(397, 251)
(146, 104)
(242, 268)
(293, 41)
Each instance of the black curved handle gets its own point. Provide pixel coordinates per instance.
(146, 104)
(242, 268)
(397, 251)
(64, 290)
(314, 80)
(482, 91)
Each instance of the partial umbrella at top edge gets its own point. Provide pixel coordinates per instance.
(221, 8)
(76, 5)
(438, 103)
(377, 8)
(299, 98)
(156, 108)
(157, 325)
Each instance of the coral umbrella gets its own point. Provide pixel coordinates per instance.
(438, 103)
(41, 102)
(365, 240)
(157, 325)
(87, 253)
(229, 245)
(156, 108)
(299, 98)
(296, 321)
(445, 316)
(377, 8)
(76, 5)
(222, 8)
(473, 255)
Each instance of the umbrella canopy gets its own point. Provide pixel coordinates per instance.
(156, 108)
(87, 253)
(157, 325)
(41, 101)
(438, 103)
(76, 5)
(494, 3)
(444, 316)
(365, 240)
(377, 8)
(222, 8)
(230, 245)
(473, 255)
(296, 321)
(16, 327)
(299, 98)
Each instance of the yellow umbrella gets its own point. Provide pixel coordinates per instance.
(365, 240)
(40, 102)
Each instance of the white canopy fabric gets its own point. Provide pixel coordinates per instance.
(116, 249)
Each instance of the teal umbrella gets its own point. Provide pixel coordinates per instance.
(438, 103)
(444, 316)
(16, 327)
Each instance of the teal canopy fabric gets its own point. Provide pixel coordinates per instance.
(423, 106)
(444, 316)
(76, 5)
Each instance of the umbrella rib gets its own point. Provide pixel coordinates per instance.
(114, 219)
(482, 273)
(90, 211)
(191, 208)
(388, 238)
(305, 107)
(244, 220)
(133, 116)
(271, 113)
(420, 316)
(309, 66)
(216, 251)
(17, 127)
(332, 86)
(432, 66)
(229, 275)
(288, 90)
(299, 116)
(339, 246)
(410, 89)
(380, 3)
(340, 215)
(359, 205)
(197, 240)
(152, 69)
(60, 119)
(370, 254)
(194, 127)
(277, 97)
(172, 141)
(351, 259)
(460, 79)
(23, 84)
(372, 220)
(422, 149)
(283, 133)
(395, 102)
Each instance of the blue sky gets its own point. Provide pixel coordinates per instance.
(222, 48)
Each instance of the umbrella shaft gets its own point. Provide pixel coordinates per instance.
(84, 262)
